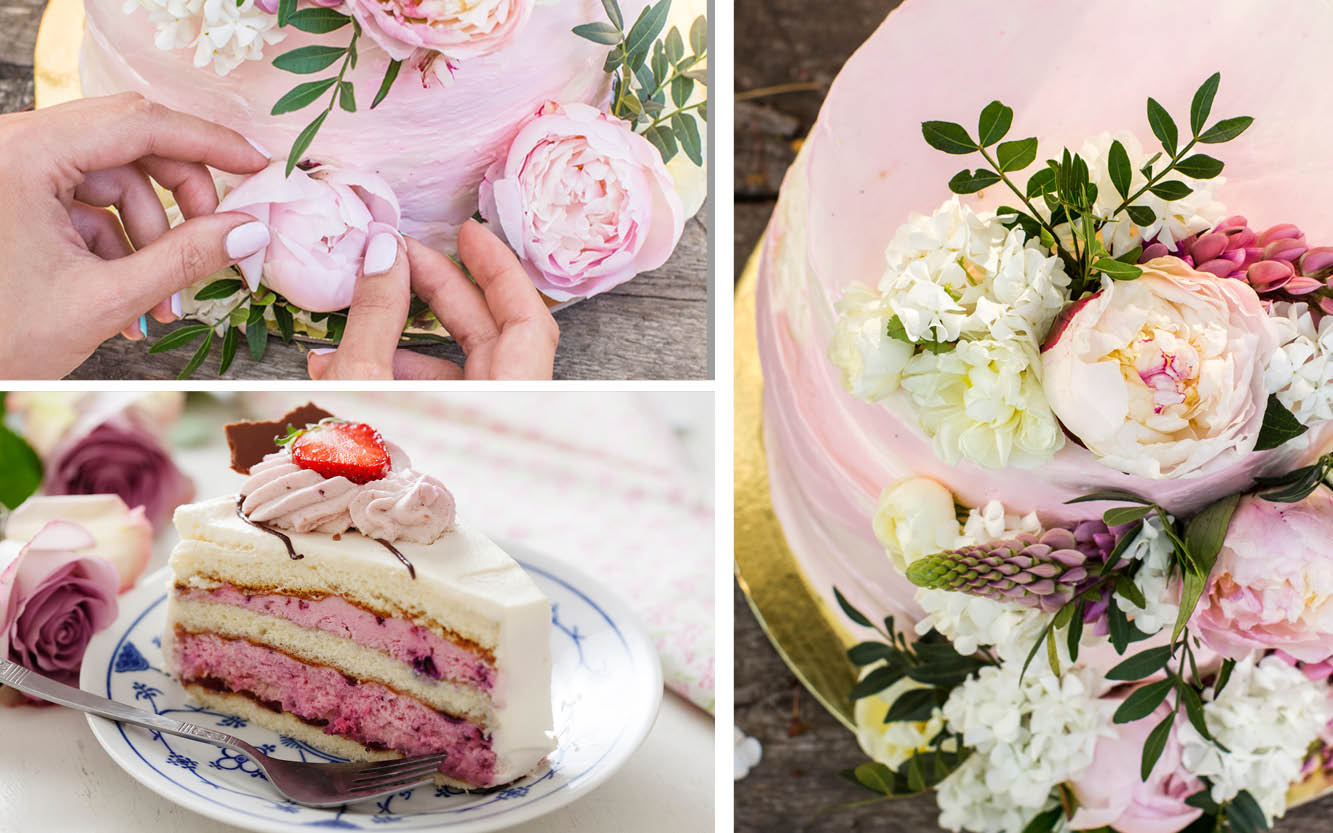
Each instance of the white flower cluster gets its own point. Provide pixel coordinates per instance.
(222, 32)
(1300, 371)
(1198, 211)
(1267, 716)
(958, 277)
(1026, 737)
(1153, 548)
(893, 743)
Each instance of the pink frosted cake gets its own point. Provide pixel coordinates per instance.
(336, 600)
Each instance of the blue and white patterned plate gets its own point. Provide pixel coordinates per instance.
(606, 688)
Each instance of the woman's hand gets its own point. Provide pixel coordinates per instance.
(501, 322)
(72, 273)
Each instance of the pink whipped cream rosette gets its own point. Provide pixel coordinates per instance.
(458, 30)
(320, 224)
(585, 202)
(865, 168)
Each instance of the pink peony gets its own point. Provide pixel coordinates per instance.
(585, 202)
(455, 28)
(123, 536)
(1111, 794)
(53, 598)
(1272, 585)
(320, 224)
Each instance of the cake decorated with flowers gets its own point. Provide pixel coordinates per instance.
(1047, 385)
(338, 600)
(572, 128)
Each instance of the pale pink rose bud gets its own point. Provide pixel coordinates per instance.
(122, 536)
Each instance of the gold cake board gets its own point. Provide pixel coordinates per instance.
(807, 634)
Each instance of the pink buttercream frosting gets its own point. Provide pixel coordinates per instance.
(406, 505)
(367, 712)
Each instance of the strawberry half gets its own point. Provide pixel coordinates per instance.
(342, 449)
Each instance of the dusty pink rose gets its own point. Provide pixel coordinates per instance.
(1272, 585)
(319, 224)
(1111, 794)
(54, 595)
(585, 202)
(123, 536)
(456, 28)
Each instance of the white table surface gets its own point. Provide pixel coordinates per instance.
(54, 776)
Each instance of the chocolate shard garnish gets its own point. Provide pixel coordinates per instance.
(251, 441)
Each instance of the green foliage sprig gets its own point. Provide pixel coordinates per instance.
(1296, 485)
(21, 466)
(1066, 191)
(645, 70)
(1241, 814)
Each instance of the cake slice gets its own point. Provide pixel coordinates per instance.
(337, 601)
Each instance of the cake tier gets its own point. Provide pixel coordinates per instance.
(865, 168)
(463, 638)
(431, 143)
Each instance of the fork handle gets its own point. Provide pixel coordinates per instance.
(44, 688)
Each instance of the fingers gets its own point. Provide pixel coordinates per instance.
(455, 300)
(128, 189)
(377, 314)
(104, 236)
(189, 182)
(528, 333)
(407, 365)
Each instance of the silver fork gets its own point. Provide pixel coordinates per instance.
(315, 785)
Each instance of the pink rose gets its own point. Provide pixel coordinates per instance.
(123, 536)
(585, 202)
(53, 598)
(456, 29)
(1111, 794)
(1272, 585)
(319, 224)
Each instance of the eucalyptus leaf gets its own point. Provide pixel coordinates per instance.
(686, 131)
(664, 139)
(613, 13)
(682, 87)
(603, 33)
(646, 29)
(699, 35)
(674, 45)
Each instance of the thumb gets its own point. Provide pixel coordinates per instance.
(187, 253)
(375, 318)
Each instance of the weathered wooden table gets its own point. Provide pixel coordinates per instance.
(657, 326)
(786, 57)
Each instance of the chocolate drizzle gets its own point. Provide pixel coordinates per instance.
(286, 541)
(412, 571)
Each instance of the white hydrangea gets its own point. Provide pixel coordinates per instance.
(983, 401)
(993, 522)
(223, 33)
(1199, 211)
(871, 361)
(1027, 736)
(746, 755)
(973, 621)
(1300, 371)
(1267, 716)
(893, 743)
(1153, 548)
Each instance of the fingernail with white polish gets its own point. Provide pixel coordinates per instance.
(176, 304)
(380, 254)
(259, 148)
(323, 351)
(245, 240)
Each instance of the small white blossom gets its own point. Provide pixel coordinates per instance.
(223, 33)
(1267, 717)
(871, 361)
(992, 523)
(747, 755)
(967, 802)
(1153, 548)
(1300, 371)
(893, 743)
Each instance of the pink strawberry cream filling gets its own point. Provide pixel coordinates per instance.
(367, 712)
(429, 654)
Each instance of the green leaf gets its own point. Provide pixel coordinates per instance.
(1075, 633)
(646, 29)
(874, 776)
(1045, 822)
(1118, 164)
(1172, 189)
(179, 337)
(852, 613)
(21, 466)
(309, 59)
(347, 97)
(1119, 495)
(228, 349)
(256, 333)
(1202, 103)
(661, 66)
(970, 182)
(913, 706)
(663, 139)
(1130, 592)
(916, 779)
(1016, 155)
(301, 95)
(948, 137)
(868, 653)
(1143, 664)
(699, 35)
(1192, 586)
(1206, 531)
(674, 45)
(603, 33)
(1225, 130)
(1296, 486)
(1246, 815)
(1125, 515)
(681, 89)
(1199, 166)
(390, 74)
(286, 324)
(1132, 256)
(613, 13)
(1143, 701)
(1042, 182)
(319, 20)
(1163, 127)
(946, 673)
(198, 358)
(1223, 677)
(1118, 626)
(1153, 746)
(221, 288)
(994, 123)
(1141, 214)
(687, 133)
(1279, 426)
(614, 59)
(876, 681)
(1116, 269)
(1194, 709)
(285, 10)
(303, 140)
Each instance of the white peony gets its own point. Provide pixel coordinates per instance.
(1267, 717)
(983, 400)
(915, 517)
(871, 361)
(1300, 370)
(893, 743)
(222, 32)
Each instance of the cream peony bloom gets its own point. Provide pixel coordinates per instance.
(871, 361)
(915, 518)
(1157, 376)
(893, 743)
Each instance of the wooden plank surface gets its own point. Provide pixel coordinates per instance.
(654, 327)
(788, 54)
